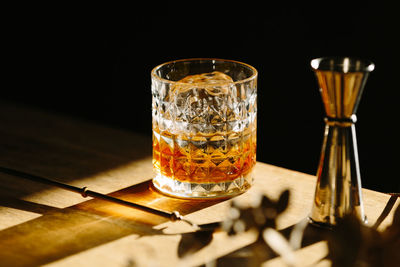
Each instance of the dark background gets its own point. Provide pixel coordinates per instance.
(95, 64)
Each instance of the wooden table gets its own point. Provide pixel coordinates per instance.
(43, 225)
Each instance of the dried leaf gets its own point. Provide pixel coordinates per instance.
(242, 219)
(390, 243)
(283, 201)
(266, 202)
(396, 218)
(296, 236)
(253, 255)
(386, 211)
(352, 243)
(193, 242)
(345, 241)
(279, 245)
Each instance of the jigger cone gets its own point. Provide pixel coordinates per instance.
(338, 190)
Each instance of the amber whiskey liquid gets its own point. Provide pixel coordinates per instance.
(204, 158)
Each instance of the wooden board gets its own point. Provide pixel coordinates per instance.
(42, 225)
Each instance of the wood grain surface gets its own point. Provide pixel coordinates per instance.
(42, 225)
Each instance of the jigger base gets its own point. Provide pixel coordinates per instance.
(330, 226)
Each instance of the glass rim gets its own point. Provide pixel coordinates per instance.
(342, 64)
(252, 77)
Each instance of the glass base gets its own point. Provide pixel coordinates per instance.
(207, 190)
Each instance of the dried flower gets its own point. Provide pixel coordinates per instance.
(351, 243)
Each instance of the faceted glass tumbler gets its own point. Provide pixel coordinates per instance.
(204, 120)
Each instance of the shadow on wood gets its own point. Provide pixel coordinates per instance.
(61, 148)
(258, 252)
(59, 233)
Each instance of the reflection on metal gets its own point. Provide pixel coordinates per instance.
(338, 190)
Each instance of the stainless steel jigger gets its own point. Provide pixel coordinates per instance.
(338, 190)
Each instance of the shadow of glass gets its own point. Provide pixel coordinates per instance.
(59, 233)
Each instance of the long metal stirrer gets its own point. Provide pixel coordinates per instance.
(85, 192)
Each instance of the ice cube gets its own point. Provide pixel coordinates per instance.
(219, 80)
(203, 100)
(212, 77)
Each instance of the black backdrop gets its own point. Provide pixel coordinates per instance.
(96, 65)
